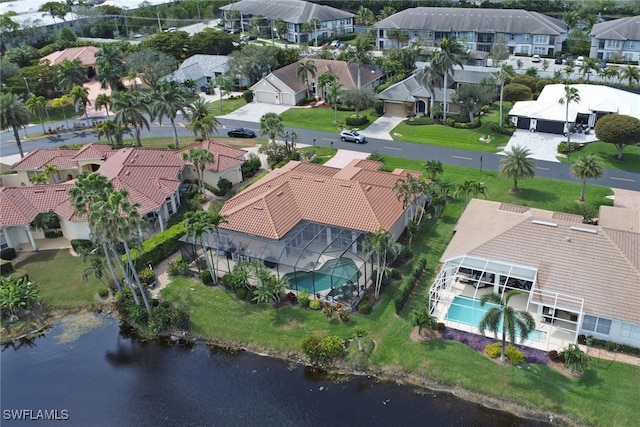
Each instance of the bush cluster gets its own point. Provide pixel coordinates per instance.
(419, 121)
(376, 156)
(8, 254)
(364, 308)
(315, 304)
(166, 317)
(573, 147)
(147, 276)
(251, 166)
(178, 268)
(303, 298)
(353, 121)
(493, 350)
(409, 283)
(321, 350)
(52, 234)
(81, 245)
(476, 123)
(515, 356)
(501, 130)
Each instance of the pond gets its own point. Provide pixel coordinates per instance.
(87, 371)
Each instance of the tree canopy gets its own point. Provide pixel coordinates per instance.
(618, 129)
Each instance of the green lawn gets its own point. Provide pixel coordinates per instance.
(446, 136)
(630, 156)
(228, 106)
(321, 118)
(59, 278)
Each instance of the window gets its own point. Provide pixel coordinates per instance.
(525, 37)
(596, 324)
(540, 50)
(540, 39)
(631, 331)
(628, 44)
(524, 50)
(613, 44)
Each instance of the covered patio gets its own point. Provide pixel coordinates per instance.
(326, 261)
(456, 291)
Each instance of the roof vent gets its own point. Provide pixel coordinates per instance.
(345, 185)
(127, 173)
(547, 223)
(584, 229)
(296, 177)
(367, 188)
(37, 190)
(279, 193)
(60, 189)
(258, 208)
(318, 180)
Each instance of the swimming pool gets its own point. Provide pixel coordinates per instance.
(332, 274)
(470, 312)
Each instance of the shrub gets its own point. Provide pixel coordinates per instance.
(247, 95)
(476, 123)
(103, 292)
(6, 267)
(332, 346)
(251, 166)
(178, 268)
(376, 157)
(516, 92)
(81, 245)
(161, 319)
(379, 107)
(420, 121)
(575, 359)
(303, 298)
(525, 80)
(515, 356)
(8, 254)
(502, 130)
(353, 121)
(312, 348)
(314, 304)
(364, 308)
(409, 283)
(224, 185)
(159, 247)
(205, 276)
(147, 276)
(441, 327)
(343, 314)
(573, 147)
(493, 350)
(52, 234)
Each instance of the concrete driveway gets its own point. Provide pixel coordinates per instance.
(544, 146)
(254, 110)
(381, 128)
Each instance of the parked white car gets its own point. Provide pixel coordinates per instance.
(352, 136)
(579, 62)
(535, 58)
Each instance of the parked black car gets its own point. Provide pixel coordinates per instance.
(559, 60)
(206, 88)
(241, 133)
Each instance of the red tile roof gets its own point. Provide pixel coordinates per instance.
(21, 205)
(224, 156)
(303, 191)
(41, 157)
(86, 54)
(94, 152)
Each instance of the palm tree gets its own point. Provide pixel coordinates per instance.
(39, 179)
(271, 124)
(503, 317)
(571, 94)
(631, 74)
(468, 188)
(610, 73)
(80, 96)
(379, 245)
(216, 219)
(386, 12)
(506, 72)
(104, 101)
(589, 65)
(168, 101)
(111, 67)
(568, 70)
(62, 103)
(130, 108)
(589, 166)
(201, 118)
(14, 115)
(232, 16)
(199, 157)
(360, 54)
(108, 128)
(431, 78)
(447, 55)
(36, 105)
(303, 69)
(433, 168)
(50, 171)
(325, 80)
(71, 73)
(517, 164)
(312, 27)
(225, 85)
(364, 16)
(333, 97)
(197, 225)
(421, 318)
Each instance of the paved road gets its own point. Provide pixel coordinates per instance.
(611, 178)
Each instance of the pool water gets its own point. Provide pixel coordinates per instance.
(332, 274)
(470, 312)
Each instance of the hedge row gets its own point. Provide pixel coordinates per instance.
(352, 121)
(409, 283)
(158, 247)
(502, 130)
(476, 123)
(8, 254)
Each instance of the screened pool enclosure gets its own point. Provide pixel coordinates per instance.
(326, 261)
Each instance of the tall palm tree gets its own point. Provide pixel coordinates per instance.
(505, 73)
(503, 317)
(303, 69)
(312, 27)
(130, 109)
(197, 225)
(433, 168)
(199, 157)
(80, 96)
(431, 78)
(50, 171)
(631, 74)
(14, 115)
(109, 129)
(168, 101)
(448, 54)
(386, 12)
(325, 80)
(333, 97)
(359, 54)
(105, 101)
(271, 124)
(71, 73)
(517, 164)
(589, 166)
(201, 119)
(588, 66)
(225, 85)
(62, 103)
(216, 219)
(90, 188)
(36, 105)
(379, 245)
(111, 67)
(610, 73)
(364, 16)
(571, 95)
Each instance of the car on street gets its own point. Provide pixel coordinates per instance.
(241, 133)
(352, 136)
(579, 62)
(535, 58)
(246, 38)
(335, 43)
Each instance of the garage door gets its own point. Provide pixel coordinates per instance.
(266, 97)
(395, 109)
(523, 123)
(548, 126)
